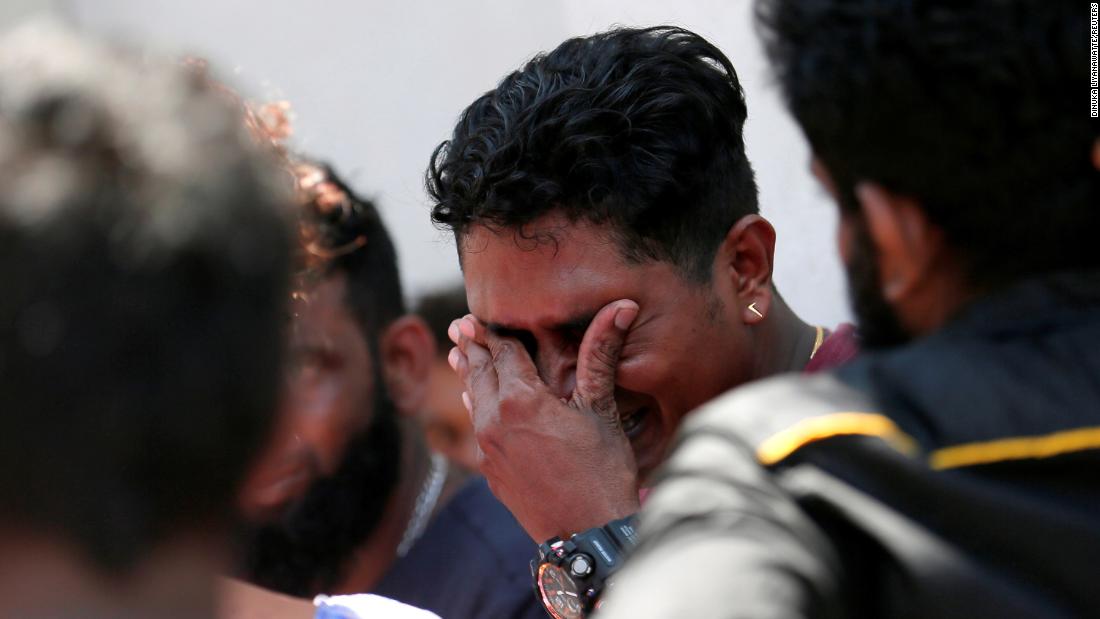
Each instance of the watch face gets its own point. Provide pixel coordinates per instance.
(559, 593)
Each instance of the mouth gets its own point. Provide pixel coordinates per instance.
(272, 490)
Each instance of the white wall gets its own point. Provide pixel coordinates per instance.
(14, 11)
(377, 85)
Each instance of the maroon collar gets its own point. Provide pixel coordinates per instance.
(838, 348)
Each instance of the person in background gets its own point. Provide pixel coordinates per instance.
(347, 498)
(951, 470)
(144, 251)
(445, 420)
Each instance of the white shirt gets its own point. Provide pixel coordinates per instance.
(366, 606)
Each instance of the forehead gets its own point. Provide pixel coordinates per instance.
(321, 312)
(550, 271)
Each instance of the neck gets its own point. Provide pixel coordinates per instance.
(936, 300)
(375, 557)
(44, 579)
(790, 341)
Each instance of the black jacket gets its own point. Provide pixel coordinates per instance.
(955, 477)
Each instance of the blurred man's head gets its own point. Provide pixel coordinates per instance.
(614, 167)
(357, 363)
(444, 419)
(143, 260)
(955, 138)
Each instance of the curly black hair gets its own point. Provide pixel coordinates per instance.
(976, 109)
(640, 129)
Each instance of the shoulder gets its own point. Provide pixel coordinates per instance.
(479, 510)
(489, 527)
(767, 421)
(759, 410)
(476, 558)
(505, 546)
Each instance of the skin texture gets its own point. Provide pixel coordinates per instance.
(518, 413)
(521, 354)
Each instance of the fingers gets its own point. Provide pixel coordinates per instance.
(474, 365)
(598, 358)
(511, 360)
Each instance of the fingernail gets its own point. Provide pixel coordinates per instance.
(624, 316)
(452, 331)
(467, 328)
(466, 402)
(452, 359)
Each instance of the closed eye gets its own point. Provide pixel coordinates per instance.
(572, 332)
(573, 335)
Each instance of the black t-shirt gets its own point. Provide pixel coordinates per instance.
(473, 562)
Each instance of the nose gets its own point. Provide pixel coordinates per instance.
(558, 369)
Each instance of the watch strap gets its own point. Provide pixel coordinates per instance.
(590, 557)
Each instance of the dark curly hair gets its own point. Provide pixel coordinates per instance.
(342, 232)
(636, 128)
(976, 109)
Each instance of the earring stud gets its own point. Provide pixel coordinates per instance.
(752, 308)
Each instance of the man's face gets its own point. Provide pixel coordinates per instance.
(322, 486)
(684, 348)
(327, 399)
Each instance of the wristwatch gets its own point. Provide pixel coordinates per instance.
(571, 574)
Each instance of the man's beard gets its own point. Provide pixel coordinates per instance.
(307, 550)
(877, 322)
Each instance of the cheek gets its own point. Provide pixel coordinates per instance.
(643, 370)
(681, 373)
(313, 399)
(324, 416)
(281, 445)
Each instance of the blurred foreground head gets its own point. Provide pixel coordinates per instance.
(144, 249)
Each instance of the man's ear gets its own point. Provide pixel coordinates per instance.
(746, 258)
(907, 244)
(407, 349)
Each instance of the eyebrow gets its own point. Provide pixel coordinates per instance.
(576, 323)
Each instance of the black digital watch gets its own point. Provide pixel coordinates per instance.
(570, 575)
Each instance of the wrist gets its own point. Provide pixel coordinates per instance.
(573, 573)
(586, 516)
